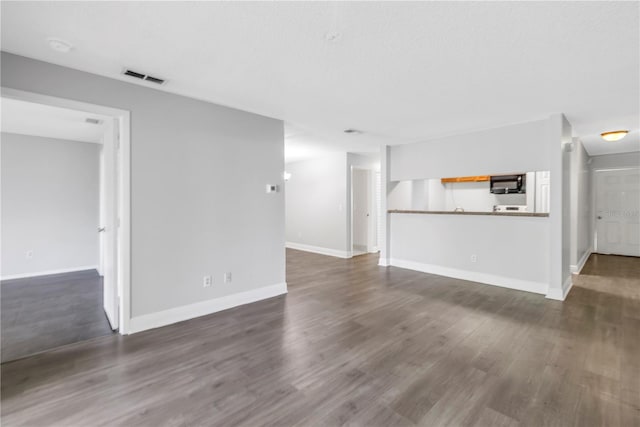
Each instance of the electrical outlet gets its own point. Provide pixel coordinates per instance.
(227, 277)
(207, 281)
(29, 254)
(474, 258)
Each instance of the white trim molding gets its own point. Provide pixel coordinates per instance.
(561, 294)
(49, 272)
(191, 311)
(487, 279)
(576, 269)
(318, 250)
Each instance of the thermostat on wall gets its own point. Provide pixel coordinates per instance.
(272, 188)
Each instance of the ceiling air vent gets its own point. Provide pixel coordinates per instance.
(154, 80)
(353, 131)
(133, 74)
(141, 76)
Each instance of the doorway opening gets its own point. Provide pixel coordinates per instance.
(65, 222)
(365, 208)
(617, 207)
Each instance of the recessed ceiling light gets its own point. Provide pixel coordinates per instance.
(614, 135)
(353, 131)
(59, 45)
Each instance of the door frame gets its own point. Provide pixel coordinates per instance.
(123, 193)
(594, 200)
(372, 244)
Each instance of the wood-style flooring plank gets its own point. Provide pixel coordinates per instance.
(356, 344)
(45, 312)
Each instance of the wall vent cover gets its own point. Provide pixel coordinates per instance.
(93, 121)
(141, 76)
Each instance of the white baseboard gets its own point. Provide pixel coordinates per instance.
(361, 248)
(48, 272)
(488, 279)
(576, 269)
(319, 250)
(383, 262)
(186, 312)
(566, 287)
(561, 294)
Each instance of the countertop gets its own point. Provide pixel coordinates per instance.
(528, 214)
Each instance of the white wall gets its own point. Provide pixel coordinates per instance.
(559, 138)
(50, 204)
(364, 161)
(504, 150)
(198, 200)
(498, 242)
(418, 194)
(405, 195)
(316, 204)
(510, 251)
(581, 207)
(612, 161)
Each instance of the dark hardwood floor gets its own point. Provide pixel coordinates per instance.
(42, 313)
(357, 344)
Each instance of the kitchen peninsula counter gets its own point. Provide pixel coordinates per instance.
(526, 214)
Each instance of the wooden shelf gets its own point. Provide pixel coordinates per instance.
(479, 178)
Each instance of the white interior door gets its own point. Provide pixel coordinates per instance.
(102, 218)
(379, 213)
(108, 222)
(361, 204)
(618, 212)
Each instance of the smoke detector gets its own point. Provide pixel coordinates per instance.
(59, 45)
(333, 36)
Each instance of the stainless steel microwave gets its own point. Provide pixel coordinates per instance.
(509, 184)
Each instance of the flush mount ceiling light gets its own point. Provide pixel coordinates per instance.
(59, 45)
(614, 135)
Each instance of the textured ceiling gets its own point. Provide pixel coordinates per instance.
(400, 72)
(27, 118)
